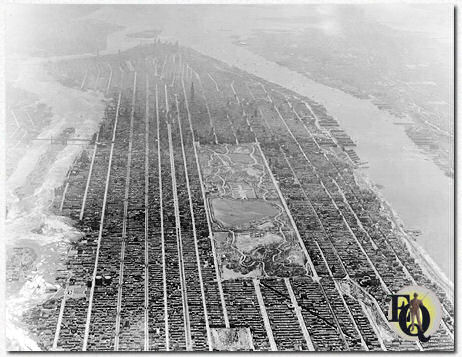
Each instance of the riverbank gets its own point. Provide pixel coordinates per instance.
(30, 223)
(428, 265)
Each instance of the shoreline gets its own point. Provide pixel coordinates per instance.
(28, 214)
(436, 132)
(429, 267)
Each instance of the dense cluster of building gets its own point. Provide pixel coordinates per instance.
(145, 276)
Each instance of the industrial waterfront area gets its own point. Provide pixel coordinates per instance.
(214, 210)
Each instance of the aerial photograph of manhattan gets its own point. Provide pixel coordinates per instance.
(228, 177)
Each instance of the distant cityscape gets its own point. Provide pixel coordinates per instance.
(208, 208)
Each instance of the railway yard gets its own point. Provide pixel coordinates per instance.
(220, 212)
